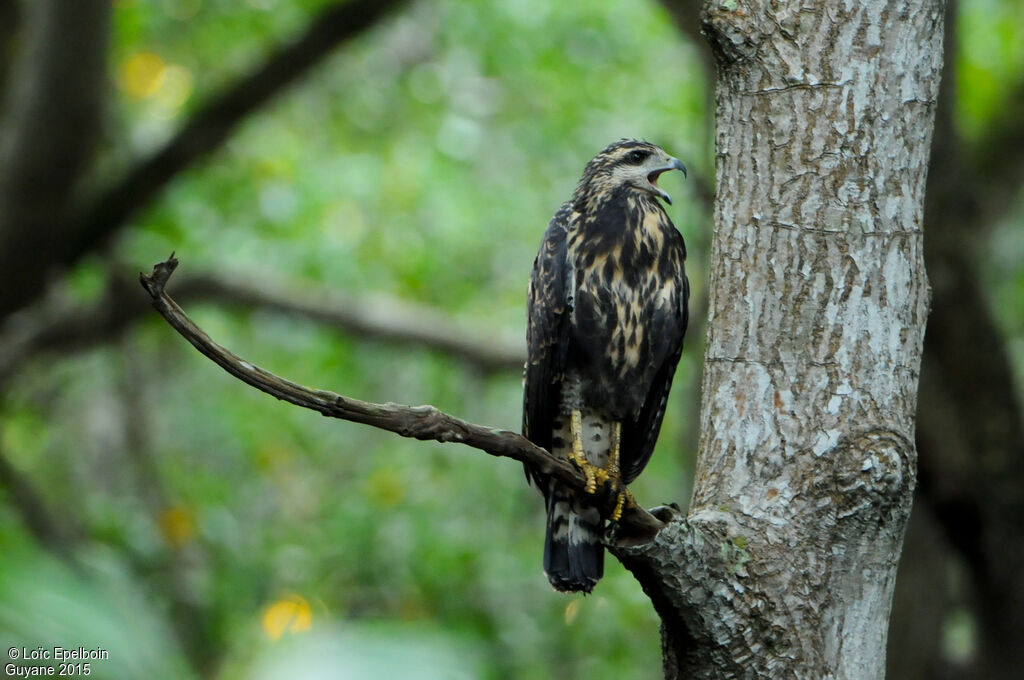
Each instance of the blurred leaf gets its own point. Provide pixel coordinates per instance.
(177, 525)
(43, 603)
(291, 614)
(356, 653)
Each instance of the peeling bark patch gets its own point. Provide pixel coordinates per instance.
(826, 441)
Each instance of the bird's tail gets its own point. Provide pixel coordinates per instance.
(573, 551)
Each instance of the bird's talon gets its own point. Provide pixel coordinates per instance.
(617, 512)
(624, 495)
(590, 473)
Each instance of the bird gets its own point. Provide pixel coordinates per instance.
(607, 308)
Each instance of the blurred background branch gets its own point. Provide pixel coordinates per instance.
(55, 534)
(58, 326)
(970, 435)
(46, 141)
(10, 18)
(212, 124)
(49, 130)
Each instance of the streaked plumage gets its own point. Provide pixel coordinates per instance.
(607, 310)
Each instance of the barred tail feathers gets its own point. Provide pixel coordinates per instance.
(573, 549)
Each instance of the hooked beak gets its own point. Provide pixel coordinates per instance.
(652, 177)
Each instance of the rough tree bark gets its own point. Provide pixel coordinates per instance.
(785, 564)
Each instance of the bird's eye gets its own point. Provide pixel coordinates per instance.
(636, 157)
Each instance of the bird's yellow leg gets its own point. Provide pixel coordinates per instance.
(623, 495)
(615, 472)
(578, 456)
(613, 455)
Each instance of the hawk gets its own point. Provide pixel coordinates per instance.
(607, 310)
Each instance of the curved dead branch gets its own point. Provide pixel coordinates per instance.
(417, 422)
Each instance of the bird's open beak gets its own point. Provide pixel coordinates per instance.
(652, 177)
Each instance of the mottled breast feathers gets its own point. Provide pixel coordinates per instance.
(608, 301)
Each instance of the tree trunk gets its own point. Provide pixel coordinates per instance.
(785, 564)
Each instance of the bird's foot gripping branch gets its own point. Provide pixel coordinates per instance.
(636, 525)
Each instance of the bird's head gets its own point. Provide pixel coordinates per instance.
(627, 164)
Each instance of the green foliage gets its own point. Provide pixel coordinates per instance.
(990, 61)
(991, 55)
(422, 161)
(46, 604)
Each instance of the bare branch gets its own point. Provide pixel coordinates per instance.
(211, 125)
(417, 422)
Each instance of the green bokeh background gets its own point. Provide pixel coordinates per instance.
(421, 162)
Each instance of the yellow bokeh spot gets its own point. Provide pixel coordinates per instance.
(384, 488)
(572, 610)
(177, 525)
(175, 88)
(290, 614)
(142, 74)
(274, 458)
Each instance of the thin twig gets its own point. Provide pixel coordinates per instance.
(417, 422)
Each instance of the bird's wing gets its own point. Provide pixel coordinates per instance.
(547, 336)
(640, 434)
